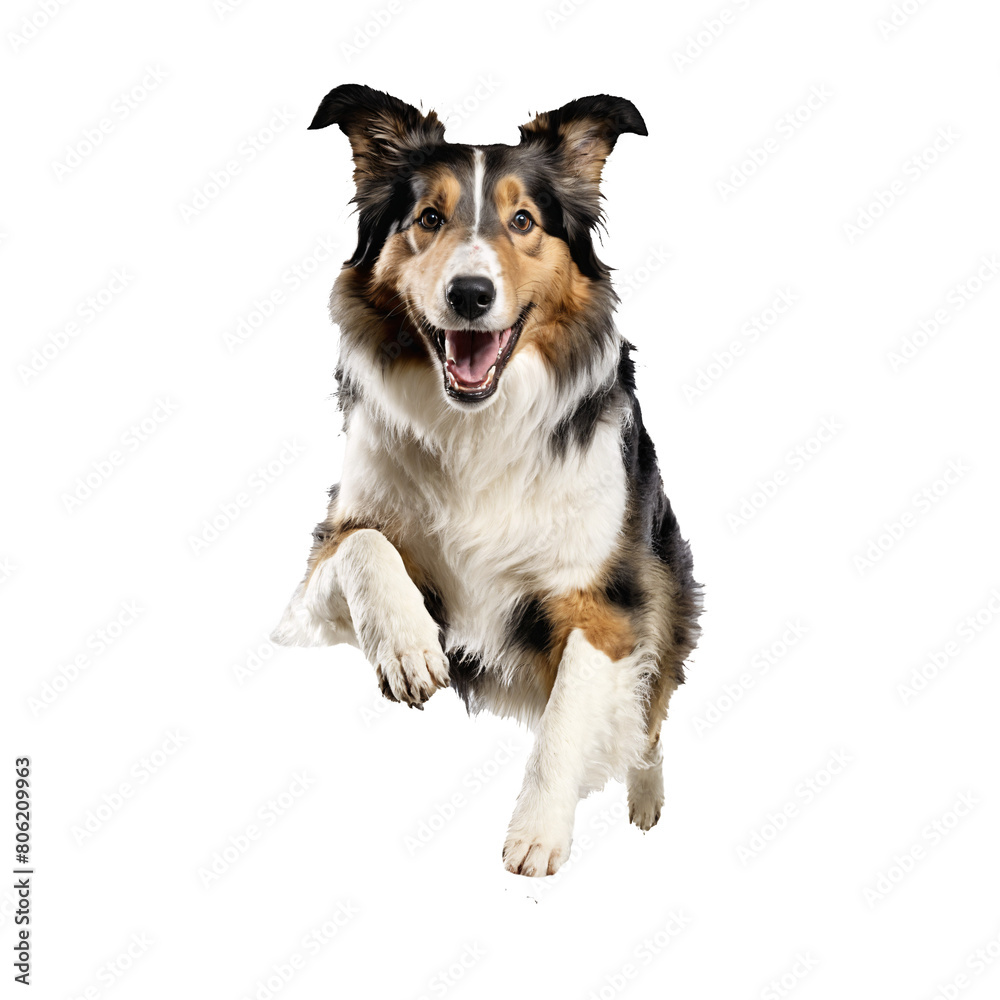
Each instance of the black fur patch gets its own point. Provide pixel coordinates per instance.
(623, 588)
(531, 626)
(347, 393)
(464, 672)
(377, 219)
(657, 523)
(376, 223)
(435, 608)
(578, 428)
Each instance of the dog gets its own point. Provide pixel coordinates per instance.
(500, 526)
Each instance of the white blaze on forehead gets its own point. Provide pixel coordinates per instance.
(474, 256)
(477, 187)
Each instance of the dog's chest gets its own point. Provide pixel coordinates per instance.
(495, 523)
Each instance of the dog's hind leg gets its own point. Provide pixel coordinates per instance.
(358, 591)
(645, 787)
(593, 728)
(645, 780)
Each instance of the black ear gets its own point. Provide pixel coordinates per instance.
(576, 139)
(385, 132)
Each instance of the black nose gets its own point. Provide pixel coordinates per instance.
(471, 296)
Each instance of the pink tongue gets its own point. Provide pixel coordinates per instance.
(474, 353)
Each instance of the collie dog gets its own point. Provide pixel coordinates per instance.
(500, 526)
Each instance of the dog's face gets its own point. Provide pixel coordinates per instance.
(487, 250)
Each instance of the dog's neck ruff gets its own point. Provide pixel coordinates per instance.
(406, 400)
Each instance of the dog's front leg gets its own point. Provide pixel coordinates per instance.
(574, 728)
(365, 580)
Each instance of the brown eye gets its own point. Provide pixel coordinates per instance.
(522, 222)
(430, 219)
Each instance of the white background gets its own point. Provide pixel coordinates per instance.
(883, 879)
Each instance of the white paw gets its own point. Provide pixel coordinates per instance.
(645, 796)
(411, 674)
(536, 853)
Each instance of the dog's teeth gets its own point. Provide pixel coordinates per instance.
(505, 336)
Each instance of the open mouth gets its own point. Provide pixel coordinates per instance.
(474, 359)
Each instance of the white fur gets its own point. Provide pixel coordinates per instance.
(477, 258)
(363, 595)
(483, 505)
(491, 514)
(477, 187)
(317, 614)
(645, 790)
(593, 728)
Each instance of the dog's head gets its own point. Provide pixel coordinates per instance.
(486, 250)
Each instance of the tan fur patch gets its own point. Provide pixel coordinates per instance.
(327, 549)
(605, 627)
(411, 261)
(584, 149)
(397, 271)
(542, 271)
(444, 191)
(413, 570)
(386, 129)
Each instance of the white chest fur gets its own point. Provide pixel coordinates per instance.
(487, 510)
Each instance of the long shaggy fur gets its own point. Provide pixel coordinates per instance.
(506, 533)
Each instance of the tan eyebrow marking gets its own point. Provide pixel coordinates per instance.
(444, 191)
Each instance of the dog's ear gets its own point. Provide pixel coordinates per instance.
(386, 134)
(389, 140)
(576, 139)
(583, 132)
